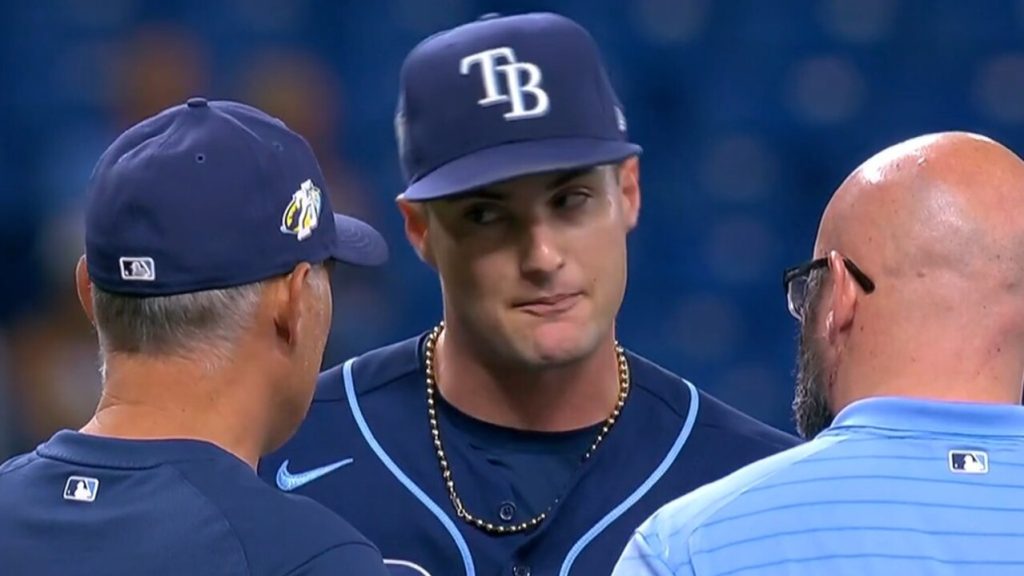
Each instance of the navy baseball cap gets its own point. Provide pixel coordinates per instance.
(212, 194)
(504, 97)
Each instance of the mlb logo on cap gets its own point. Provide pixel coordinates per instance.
(505, 97)
(137, 268)
(968, 461)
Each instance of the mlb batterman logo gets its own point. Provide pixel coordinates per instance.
(302, 215)
(81, 488)
(137, 268)
(968, 461)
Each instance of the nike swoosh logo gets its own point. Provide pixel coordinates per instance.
(287, 481)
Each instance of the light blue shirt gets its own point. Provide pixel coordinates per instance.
(893, 487)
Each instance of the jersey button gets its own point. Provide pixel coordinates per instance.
(521, 570)
(506, 511)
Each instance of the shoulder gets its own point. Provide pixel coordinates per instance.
(669, 390)
(316, 518)
(306, 534)
(676, 522)
(363, 560)
(18, 477)
(712, 416)
(382, 386)
(370, 371)
(718, 418)
(278, 531)
(17, 463)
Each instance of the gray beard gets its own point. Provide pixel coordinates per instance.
(810, 403)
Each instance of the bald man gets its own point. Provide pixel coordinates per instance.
(909, 383)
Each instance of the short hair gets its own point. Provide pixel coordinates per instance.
(205, 323)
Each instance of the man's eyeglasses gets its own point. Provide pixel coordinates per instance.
(795, 282)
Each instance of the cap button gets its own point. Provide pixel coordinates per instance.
(197, 102)
(489, 16)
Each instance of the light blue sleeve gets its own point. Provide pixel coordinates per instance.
(645, 556)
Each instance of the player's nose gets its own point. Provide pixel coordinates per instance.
(541, 252)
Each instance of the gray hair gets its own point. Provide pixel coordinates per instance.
(202, 325)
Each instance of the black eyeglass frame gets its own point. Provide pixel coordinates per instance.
(804, 270)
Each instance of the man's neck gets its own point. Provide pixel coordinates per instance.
(941, 371)
(150, 400)
(554, 399)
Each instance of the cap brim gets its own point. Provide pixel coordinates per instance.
(507, 161)
(358, 243)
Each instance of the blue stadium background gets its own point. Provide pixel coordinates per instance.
(751, 113)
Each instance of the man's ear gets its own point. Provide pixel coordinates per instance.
(285, 299)
(844, 297)
(417, 228)
(629, 186)
(84, 288)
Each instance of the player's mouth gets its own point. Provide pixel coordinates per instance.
(548, 306)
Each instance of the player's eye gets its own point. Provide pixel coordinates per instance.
(483, 213)
(571, 199)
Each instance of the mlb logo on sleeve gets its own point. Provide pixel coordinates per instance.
(81, 488)
(968, 461)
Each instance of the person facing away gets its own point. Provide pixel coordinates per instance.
(517, 437)
(909, 382)
(208, 241)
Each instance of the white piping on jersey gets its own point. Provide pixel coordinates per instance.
(364, 429)
(670, 458)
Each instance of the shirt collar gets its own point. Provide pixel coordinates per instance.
(103, 451)
(912, 414)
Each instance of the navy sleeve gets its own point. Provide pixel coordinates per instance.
(344, 560)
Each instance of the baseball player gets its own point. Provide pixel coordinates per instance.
(516, 437)
(208, 238)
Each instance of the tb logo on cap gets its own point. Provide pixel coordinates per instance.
(516, 85)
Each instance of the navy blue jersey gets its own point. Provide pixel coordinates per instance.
(366, 451)
(89, 505)
(535, 466)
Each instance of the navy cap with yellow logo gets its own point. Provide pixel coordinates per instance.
(213, 194)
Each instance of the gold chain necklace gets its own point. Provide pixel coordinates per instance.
(446, 472)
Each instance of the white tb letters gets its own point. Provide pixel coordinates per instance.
(520, 78)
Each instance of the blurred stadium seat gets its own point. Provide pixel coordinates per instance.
(750, 114)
